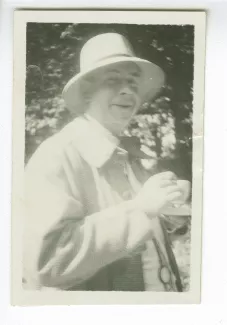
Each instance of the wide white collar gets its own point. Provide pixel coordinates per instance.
(94, 142)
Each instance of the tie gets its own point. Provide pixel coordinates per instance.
(125, 274)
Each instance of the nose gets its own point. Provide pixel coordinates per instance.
(125, 90)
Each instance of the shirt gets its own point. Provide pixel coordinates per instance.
(74, 228)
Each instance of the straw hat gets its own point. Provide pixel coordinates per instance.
(105, 50)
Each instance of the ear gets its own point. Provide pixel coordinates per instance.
(86, 89)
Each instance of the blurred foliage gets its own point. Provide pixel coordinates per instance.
(164, 126)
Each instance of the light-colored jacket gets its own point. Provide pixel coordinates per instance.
(77, 222)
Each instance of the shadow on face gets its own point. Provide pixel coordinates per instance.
(113, 95)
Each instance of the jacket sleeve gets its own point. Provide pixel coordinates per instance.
(63, 245)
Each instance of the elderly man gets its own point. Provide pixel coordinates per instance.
(93, 214)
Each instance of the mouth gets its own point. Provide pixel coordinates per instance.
(124, 106)
(122, 111)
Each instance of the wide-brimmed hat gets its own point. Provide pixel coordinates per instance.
(105, 50)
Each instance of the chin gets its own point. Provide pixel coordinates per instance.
(124, 114)
(124, 120)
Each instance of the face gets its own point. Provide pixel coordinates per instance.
(116, 96)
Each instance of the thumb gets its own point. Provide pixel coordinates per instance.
(173, 196)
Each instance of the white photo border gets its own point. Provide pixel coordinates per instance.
(21, 297)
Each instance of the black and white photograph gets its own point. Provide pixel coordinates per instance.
(107, 157)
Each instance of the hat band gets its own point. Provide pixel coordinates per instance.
(106, 58)
(114, 56)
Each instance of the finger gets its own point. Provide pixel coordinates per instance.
(171, 189)
(174, 196)
(167, 176)
(165, 183)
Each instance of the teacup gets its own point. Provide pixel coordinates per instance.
(185, 189)
(180, 207)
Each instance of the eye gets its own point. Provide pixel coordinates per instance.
(133, 85)
(112, 80)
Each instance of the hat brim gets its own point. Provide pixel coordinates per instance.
(152, 81)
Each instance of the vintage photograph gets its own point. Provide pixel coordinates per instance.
(108, 155)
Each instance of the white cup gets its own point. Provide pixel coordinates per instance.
(185, 189)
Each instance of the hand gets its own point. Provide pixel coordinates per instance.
(157, 193)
